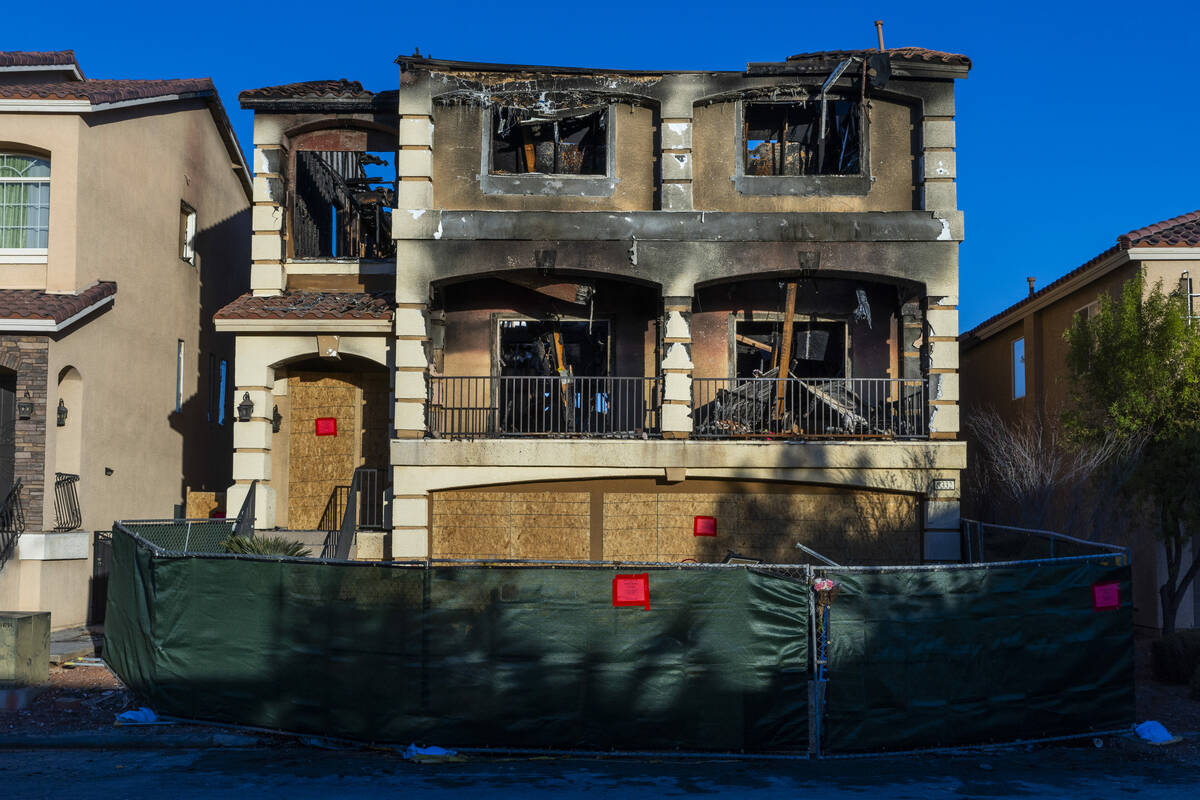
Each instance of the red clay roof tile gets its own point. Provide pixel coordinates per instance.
(52, 58)
(106, 91)
(309, 90)
(33, 304)
(311, 305)
(900, 53)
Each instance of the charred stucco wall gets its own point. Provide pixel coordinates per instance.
(473, 308)
(893, 150)
(457, 159)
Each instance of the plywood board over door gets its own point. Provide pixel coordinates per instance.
(319, 463)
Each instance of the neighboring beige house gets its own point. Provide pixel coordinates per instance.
(614, 315)
(1015, 362)
(124, 216)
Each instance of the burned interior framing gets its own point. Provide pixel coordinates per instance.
(572, 142)
(805, 137)
(342, 205)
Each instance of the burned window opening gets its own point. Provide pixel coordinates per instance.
(526, 141)
(786, 138)
(819, 348)
(340, 209)
(548, 348)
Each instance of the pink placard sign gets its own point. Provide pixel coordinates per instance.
(631, 590)
(1106, 596)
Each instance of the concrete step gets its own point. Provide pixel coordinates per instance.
(313, 540)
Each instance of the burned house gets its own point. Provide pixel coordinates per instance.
(623, 315)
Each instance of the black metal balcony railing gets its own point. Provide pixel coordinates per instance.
(67, 515)
(517, 405)
(842, 408)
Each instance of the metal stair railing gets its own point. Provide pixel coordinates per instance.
(67, 514)
(12, 522)
(364, 509)
(244, 526)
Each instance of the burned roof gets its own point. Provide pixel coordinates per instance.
(34, 304)
(912, 58)
(311, 306)
(99, 92)
(1181, 231)
(894, 53)
(340, 94)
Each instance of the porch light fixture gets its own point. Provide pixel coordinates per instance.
(62, 413)
(276, 420)
(25, 407)
(245, 408)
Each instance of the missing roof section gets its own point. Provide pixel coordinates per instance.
(785, 138)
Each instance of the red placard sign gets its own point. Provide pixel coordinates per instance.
(704, 526)
(632, 590)
(1106, 596)
(326, 426)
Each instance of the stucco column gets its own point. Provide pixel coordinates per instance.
(676, 153)
(252, 458)
(267, 245)
(677, 368)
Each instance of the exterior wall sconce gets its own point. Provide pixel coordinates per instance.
(245, 408)
(25, 407)
(62, 413)
(276, 420)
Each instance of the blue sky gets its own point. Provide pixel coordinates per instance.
(1078, 123)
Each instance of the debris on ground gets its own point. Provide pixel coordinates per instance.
(1153, 732)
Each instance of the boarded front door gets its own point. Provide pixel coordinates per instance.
(318, 463)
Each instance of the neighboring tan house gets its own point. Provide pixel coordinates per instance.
(124, 216)
(1014, 363)
(614, 315)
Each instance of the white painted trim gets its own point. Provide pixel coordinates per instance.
(86, 106)
(23, 255)
(53, 106)
(293, 326)
(71, 68)
(47, 546)
(1114, 261)
(49, 325)
(1164, 253)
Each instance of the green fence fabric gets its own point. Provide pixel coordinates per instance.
(925, 658)
(466, 656)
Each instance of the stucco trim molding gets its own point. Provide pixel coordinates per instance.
(294, 326)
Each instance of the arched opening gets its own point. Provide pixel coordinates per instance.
(68, 415)
(808, 355)
(68, 444)
(537, 353)
(342, 193)
(333, 418)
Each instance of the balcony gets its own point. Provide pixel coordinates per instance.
(795, 408)
(519, 405)
(628, 408)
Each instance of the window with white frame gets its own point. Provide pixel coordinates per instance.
(24, 204)
(1090, 310)
(187, 233)
(178, 376)
(1018, 369)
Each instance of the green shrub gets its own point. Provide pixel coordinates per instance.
(1176, 657)
(265, 546)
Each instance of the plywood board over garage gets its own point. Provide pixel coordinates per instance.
(643, 520)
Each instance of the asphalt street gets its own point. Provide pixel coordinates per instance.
(298, 772)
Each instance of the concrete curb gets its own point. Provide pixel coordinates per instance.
(118, 739)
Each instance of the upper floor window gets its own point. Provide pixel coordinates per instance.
(24, 202)
(187, 233)
(1018, 368)
(569, 144)
(793, 139)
